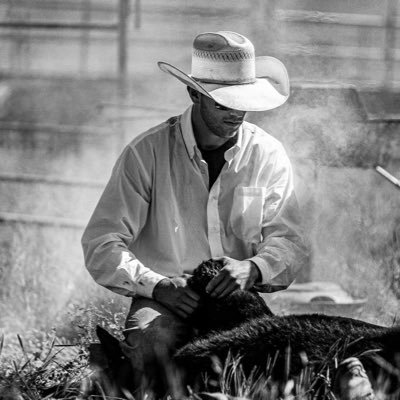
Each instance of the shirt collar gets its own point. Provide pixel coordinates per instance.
(190, 141)
(187, 132)
(231, 153)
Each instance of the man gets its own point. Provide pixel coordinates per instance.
(202, 185)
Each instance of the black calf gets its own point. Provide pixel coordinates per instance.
(321, 338)
(257, 336)
(242, 325)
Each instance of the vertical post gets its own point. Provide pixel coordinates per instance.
(123, 18)
(123, 40)
(16, 39)
(10, 41)
(85, 37)
(390, 38)
(138, 14)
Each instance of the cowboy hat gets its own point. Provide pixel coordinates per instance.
(224, 68)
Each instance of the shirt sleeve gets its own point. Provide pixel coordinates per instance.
(117, 221)
(282, 250)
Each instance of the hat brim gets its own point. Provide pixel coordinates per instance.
(270, 89)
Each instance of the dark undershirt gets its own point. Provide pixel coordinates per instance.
(215, 159)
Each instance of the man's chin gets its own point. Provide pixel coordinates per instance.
(228, 133)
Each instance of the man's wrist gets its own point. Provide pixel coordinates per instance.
(160, 287)
(255, 272)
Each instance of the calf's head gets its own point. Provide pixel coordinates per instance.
(221, 314)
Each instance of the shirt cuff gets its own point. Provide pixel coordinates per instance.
(147, 283)
(264, 269)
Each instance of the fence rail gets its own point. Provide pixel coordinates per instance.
(50, 180)
(388, 21)
(85, 130)
(59, 25)
(40, 220)
(354, 52)
(349, 19)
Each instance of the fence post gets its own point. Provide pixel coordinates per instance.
(85, 36)
(123, 89)
(138, 14)
(123, 18)
(390, 42)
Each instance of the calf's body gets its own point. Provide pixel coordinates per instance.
(241, 325)
(293, 341)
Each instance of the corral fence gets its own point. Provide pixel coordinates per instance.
(17, 19)
(387, 23)
(152, 20)
(17, 24)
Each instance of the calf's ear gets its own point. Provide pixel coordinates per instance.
(109, 343)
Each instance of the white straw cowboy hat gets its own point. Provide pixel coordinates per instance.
(224, 67)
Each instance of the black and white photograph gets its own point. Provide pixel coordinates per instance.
(200, 200)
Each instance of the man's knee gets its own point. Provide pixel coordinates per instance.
(152, 331)
(159, 338)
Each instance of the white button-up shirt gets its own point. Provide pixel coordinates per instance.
(158, 217)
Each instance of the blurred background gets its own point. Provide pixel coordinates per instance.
(79, 80)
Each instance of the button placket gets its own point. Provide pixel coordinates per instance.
(202, 167)
(213, 221)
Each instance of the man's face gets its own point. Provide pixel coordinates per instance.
(221, 121)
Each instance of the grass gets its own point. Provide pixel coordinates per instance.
(46, 368)
(45, 364)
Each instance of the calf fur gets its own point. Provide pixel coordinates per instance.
(223, 314)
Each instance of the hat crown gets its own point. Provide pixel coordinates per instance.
(223, 57)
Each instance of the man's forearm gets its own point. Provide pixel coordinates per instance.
(279, 259)
(117, 269)
(255, 272)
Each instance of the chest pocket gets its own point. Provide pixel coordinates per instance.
(247, 213)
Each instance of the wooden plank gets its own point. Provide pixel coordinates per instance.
(352, 52)
(151, 6)
(102, 26)
(50, 180)
(310, 16)
(381, 105)
(54, 128)
(41, 220)
(64, 5)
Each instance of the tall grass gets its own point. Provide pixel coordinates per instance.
(50, 369)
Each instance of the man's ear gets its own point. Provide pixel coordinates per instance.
(194, 94)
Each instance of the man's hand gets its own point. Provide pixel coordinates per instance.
(234, 275)
(174, 294)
